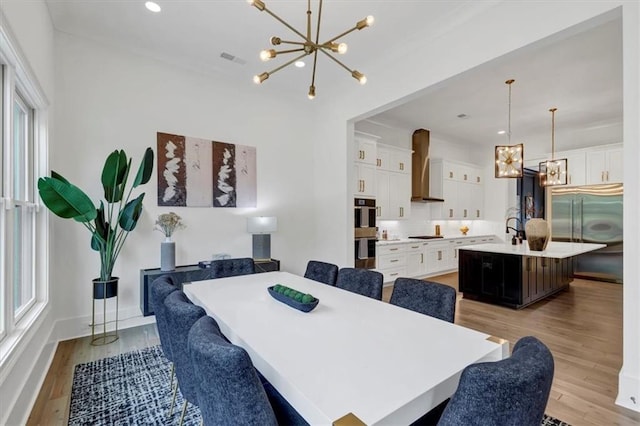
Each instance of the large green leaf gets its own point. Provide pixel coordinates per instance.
(114, 173)
(101, 234)
(131, 213)
(66, 200)
(58, 176)
(145, 169)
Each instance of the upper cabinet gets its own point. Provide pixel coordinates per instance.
(364, 166)
(461, 187)
(604, 165)
(393, 182)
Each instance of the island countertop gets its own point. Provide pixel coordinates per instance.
(556, 250)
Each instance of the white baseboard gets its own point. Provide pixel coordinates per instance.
(628, 391)
(72, 328)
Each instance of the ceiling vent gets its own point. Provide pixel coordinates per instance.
(232, 58)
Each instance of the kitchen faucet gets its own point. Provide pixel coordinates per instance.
(519, 232)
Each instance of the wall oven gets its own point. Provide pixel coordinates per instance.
(365, 233)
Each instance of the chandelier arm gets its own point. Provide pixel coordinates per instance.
(313, 73)
(337, 61)
(287, 63)
(289, 51)
(284, 23)
(342, 35)
(299, 43)
(318, 25)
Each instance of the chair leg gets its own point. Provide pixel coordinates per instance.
(184, 410)
(175, 390)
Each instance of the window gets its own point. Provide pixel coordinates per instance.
(23, 246)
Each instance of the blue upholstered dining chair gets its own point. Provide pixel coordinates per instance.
(232, 267)
(429, 298)
(181, 315)
(513, 391)
(230, 391)
(322, 272)
(159, 289)
(362, 281)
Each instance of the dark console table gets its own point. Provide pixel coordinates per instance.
(186, 274)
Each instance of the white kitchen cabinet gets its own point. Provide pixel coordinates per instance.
(365, 180)
(393, 184)
(365, 149)
(576, 167)
(604, 165)
(461, 187)
(416, 259)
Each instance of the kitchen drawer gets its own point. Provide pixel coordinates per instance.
(414, 247)
(392, 260)
(391, 249)
(391, 274)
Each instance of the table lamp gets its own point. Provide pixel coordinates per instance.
(261, 227)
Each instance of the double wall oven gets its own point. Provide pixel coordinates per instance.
(365, 233)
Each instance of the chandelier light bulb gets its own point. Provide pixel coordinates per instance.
(275, 41)
(257, 3)
(312, 92)
(359, 76)
(257, 79)
(342, 48)
(267, 54)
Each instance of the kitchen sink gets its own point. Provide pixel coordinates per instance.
(426, 237)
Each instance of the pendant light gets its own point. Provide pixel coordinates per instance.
(509, 158)
(553, 172)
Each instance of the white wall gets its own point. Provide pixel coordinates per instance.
(109, 99)
(418, 64)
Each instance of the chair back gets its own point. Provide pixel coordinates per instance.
(322, 272)
(513, 391)
(362, 281)
(232, 267)
(229, 389)
(429, 298)
(159, 289)
(181, 315)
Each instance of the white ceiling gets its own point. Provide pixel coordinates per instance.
(579, 72)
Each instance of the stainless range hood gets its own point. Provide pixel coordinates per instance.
(420, 168)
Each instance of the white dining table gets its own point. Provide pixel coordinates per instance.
(351, 355)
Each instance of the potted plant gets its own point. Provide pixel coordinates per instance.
(111, 222)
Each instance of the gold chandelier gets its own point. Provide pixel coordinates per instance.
(553, 172)
(509, 158)
(308, 46)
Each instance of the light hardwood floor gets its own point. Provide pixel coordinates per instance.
(582, 326)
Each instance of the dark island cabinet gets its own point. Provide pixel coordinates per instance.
(511, 280)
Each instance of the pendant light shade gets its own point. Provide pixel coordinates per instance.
(509, 158)
(553, 172)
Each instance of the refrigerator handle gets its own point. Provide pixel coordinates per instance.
(571, 220)
(581, 218)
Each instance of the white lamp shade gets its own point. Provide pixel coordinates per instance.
(262, 225)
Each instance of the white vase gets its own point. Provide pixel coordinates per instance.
(537, 231)
(168, 255)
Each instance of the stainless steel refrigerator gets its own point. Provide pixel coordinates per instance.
(591, 214)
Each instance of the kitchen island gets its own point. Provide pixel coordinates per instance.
(513, 275)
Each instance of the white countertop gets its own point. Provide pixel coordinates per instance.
(418, 240)
(556, 250)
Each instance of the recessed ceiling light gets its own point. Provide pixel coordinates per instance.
(154, 7)
(502, 132)
(300, 64)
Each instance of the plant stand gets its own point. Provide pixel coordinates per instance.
(104, 290)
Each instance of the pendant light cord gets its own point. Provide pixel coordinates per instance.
(553, 133)
(509, 82)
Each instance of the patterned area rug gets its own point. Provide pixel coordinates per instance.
(133, 389)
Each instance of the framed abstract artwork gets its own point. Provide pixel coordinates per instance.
(195, 172)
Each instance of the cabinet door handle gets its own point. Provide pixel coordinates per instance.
(393, 249)
(415, 247)
(439, 255)
(393, 260)
(465, 212)
(363, 185)
(569, 179)
(465, 176)
(450, 212)
(394, 274)
(421, 257)
(401, 211)
(607, 176)
(602, 176)
(401, 166)
(478, 179)
(478, 213)
(451, 175)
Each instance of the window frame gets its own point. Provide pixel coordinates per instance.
(17, 79)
